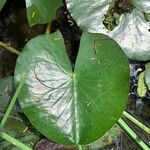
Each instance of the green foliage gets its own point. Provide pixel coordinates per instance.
(116, 9)
(2, 2)
(132, 33)
(40, 12)
(73, 106)
(141, 89)
(78, 105)
(111, 20)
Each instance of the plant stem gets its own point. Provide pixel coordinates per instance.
(9, 48)
(132, 134)
(80, 147)
(14, 141)
(12, 102)
(136, 122)
(48, 28)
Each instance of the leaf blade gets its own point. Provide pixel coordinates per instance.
(55, 98)
(41, 12)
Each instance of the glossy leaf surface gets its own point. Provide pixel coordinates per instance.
(73, 107)
(41, 11)
(132, 33)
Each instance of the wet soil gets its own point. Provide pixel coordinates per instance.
(17, 32)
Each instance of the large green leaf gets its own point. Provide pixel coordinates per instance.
(132, 33)
(41, 11)
(73, 107)
(2, 2)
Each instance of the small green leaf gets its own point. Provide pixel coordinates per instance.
(41, 11)
(73, 107)
(147, 75)
(141, 85)
(2, 2)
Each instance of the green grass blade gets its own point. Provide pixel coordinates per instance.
(136, 122)
(9, 48)
(133, 135)
(6, 115)
(14, 141)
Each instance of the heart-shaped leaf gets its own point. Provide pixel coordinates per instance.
(133, 31)
(73, 107)
(41, 11)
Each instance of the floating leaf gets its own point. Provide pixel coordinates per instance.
(132, 33)
(73, 107)
(40, 12)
